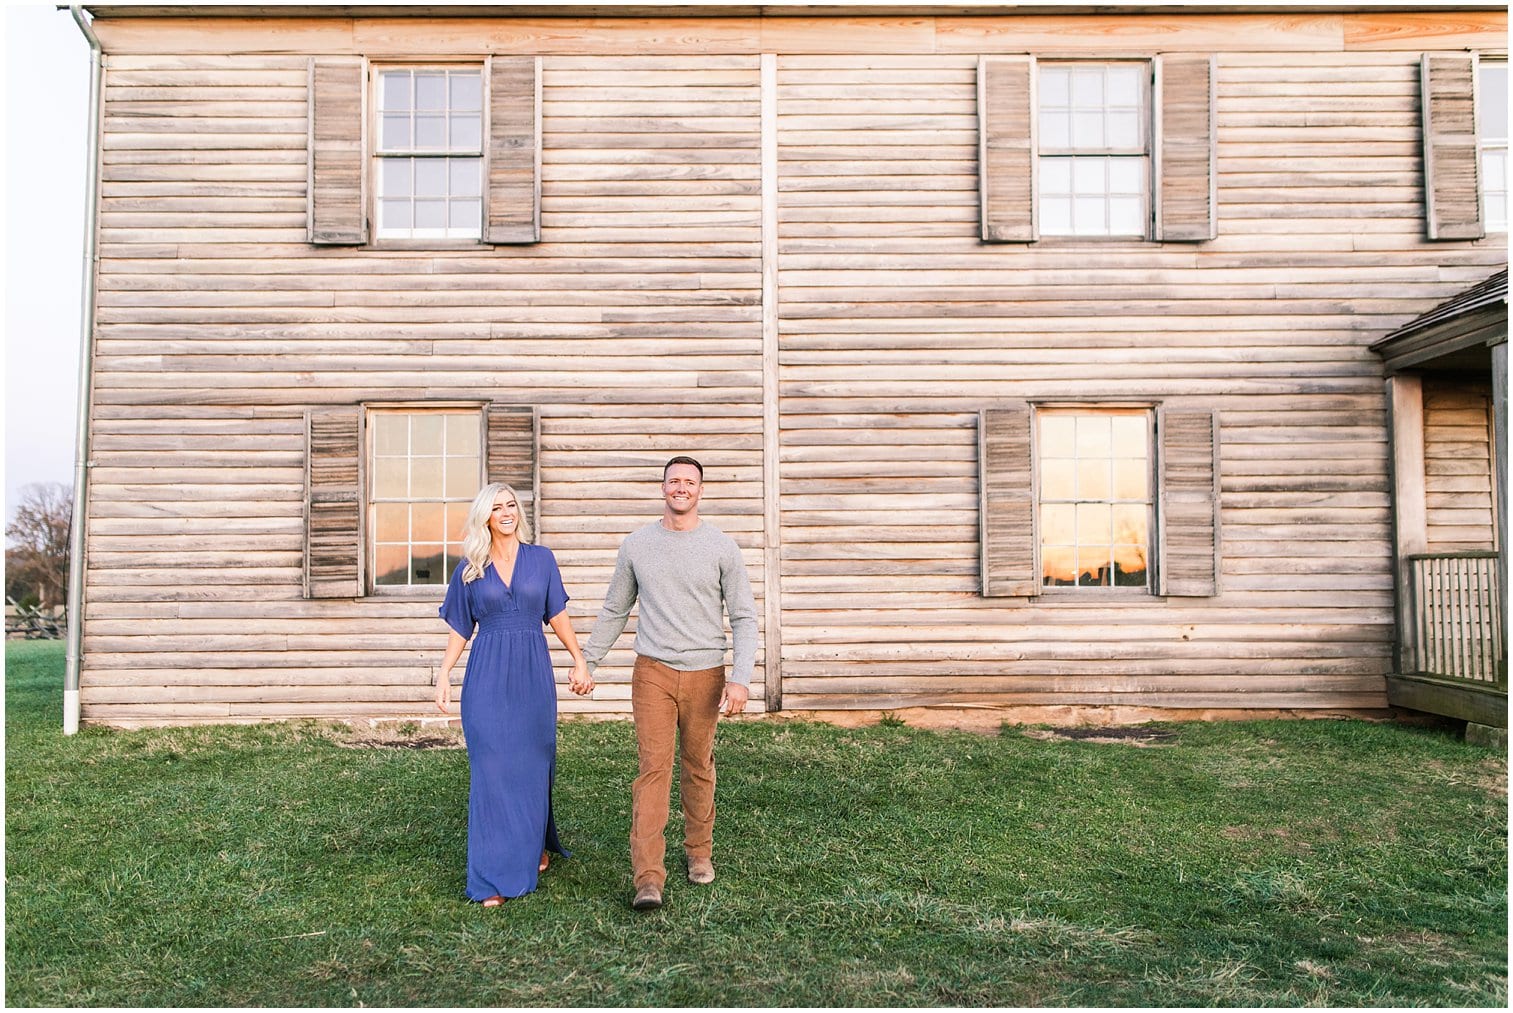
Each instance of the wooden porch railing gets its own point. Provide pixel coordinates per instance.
(1457, 614)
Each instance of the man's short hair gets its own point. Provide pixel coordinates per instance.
(682, 460)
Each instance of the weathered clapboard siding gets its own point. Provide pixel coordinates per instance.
(897, 326)
(634, 326)
(1458, 464)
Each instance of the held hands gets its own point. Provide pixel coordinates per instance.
(578, 680)
(734, 699)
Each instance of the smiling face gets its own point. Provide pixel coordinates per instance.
(504, 518)
(681, 488)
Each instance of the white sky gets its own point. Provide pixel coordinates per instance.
(46, 98)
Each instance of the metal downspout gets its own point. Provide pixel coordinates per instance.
(86, 369)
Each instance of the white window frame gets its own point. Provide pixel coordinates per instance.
(1072, 153)
(1494, 147)
(1147, 412)
(373, 501)
(413, 154)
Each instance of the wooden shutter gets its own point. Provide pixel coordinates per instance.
(336, 204)
(1188, 508)
(514, 197)
(1185, 143)
(333, 503)
(513, 435)
(1452, 196)
(1006, 510)
(1006, 147)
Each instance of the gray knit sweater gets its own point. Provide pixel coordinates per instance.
(682, 578)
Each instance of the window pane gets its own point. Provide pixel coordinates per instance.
(1123, 130)
(425, 477)
(1055, 130)
(427, 430)
(1130, 523)
(1056, 216)
(1057, 479)
(1087, 87)
(1128, 433)
(467, 90)
(1055, 175)
(1492, 116)
(430, 132)
(430, 214)
(394, 95)
(464, 174)
(395, 177)
(430, 177)
(1126, 175)
(1094, 435)
(390, 478)
(1130, 479)
(394, 214)
(1088, 216)
(1087, 130)
(1088, 176)
(1058, 565)
(1494, 170)
(462, 477)
(457, 515)
(1129, 565)
(1093, 478)
(396, 133)
(430, 90)
(467, 131)
(1058, 435)
(1093, 565)
(1125, 84)
(1055, 86)
(428, 522)
(391, 564)
(428, 565)
(1058, 523)
(1093, 523)
(1126, 216)
(391, 522)
(391, 434)
(462, 435)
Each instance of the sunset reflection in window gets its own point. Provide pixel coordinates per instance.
(1095, 501)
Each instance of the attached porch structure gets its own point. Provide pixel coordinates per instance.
(1447, 388)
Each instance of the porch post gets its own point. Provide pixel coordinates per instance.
(1410, 526)
(1500, 490)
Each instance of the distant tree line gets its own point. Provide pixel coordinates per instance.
(36, 550)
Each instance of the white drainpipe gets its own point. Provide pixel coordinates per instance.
(86, 361)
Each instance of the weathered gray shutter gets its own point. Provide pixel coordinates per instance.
(336, 208)
(1006, 509)
(333, 503)
(513, 434)
(514, 197)
(1185, 146)
(1452, 196)
(1188, 508)
(1006, 147)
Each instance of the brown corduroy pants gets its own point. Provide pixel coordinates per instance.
(669, 703)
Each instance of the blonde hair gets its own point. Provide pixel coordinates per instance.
(476, 539)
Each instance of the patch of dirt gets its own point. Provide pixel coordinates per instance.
(424, 742)
(1111, 735)
(401, 735)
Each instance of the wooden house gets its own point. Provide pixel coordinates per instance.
(1048, 361)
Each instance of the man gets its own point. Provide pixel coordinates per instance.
(687, 574)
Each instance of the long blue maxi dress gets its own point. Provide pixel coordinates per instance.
(509, 719)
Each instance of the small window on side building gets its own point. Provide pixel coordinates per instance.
(1093, 150)
(429, 153)
(1094, 498)
(425, 468)
(1492, 142)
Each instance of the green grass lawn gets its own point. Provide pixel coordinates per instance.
(1266, 863)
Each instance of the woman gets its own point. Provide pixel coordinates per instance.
(507, 589)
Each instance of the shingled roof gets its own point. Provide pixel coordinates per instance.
(1494, 289)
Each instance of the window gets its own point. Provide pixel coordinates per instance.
(1107, 149)
(1492, 142)
(1119, 497)
(429, 153)
(1094, 472)
(426, 468)
(1093, 153)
